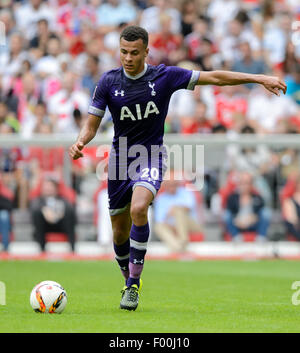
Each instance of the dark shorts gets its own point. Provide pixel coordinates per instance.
(123, 179)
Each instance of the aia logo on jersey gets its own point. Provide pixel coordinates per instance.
(151, 108)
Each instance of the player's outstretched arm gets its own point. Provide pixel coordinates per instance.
(230, 78)
(87, 133)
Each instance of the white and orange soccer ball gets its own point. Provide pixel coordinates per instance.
(48, 297)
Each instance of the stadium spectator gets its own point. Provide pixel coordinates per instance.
(113, 12)
(61, 106)
(290, 60)
(189, 14)
(245, 210)
(229, 46)
(221, 12)
(267, 24)
(256, 159)
(272, 108)
(27, 91)
(72, 15)
(26, 67)
(11, 169)
(49, 63)
(93, 47)
(291, 210)
(289, 162)
(111, 39)
(40, 41)
(165, 46)
(6, 206)
(52, 213)
(247, 63)
(6, 17)
(194, 39)
(28, 15)
(230, 106)
(77, 44)
(182, 103)
(8, 97)
(197, 123)
(35, 119)
(293, 83)
(175, 214)
(8, 117)
(90, 79)
(207, 60)
(12, 59)
(279, 28)
(150, 17)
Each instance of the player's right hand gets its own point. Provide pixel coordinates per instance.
(75, 150)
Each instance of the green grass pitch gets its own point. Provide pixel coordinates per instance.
(200, 296)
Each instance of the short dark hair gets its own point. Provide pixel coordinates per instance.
(132, 33)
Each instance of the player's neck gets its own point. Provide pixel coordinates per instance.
(138, 75)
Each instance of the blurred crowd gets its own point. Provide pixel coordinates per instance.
(52, 54)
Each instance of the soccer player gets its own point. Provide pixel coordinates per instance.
(137, 95)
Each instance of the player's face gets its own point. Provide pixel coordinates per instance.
(133, 55)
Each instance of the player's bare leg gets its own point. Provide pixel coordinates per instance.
(139, 234)
(140, 201)
(121, 225)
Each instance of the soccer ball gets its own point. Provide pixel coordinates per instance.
(48, 297)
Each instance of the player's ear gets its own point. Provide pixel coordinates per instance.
(146, 52)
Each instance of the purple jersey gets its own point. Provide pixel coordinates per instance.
(139, 104)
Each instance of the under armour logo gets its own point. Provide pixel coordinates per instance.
(121, 93)
(135, 261)
(151, 85)
(125, 268)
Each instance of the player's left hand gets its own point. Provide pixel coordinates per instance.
(274, 84)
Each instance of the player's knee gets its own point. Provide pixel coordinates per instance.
(119, 236)
(138, 210)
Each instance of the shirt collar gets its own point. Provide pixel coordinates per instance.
(138, 75)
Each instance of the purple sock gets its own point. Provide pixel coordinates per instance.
(122, 257)
(138, 246)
